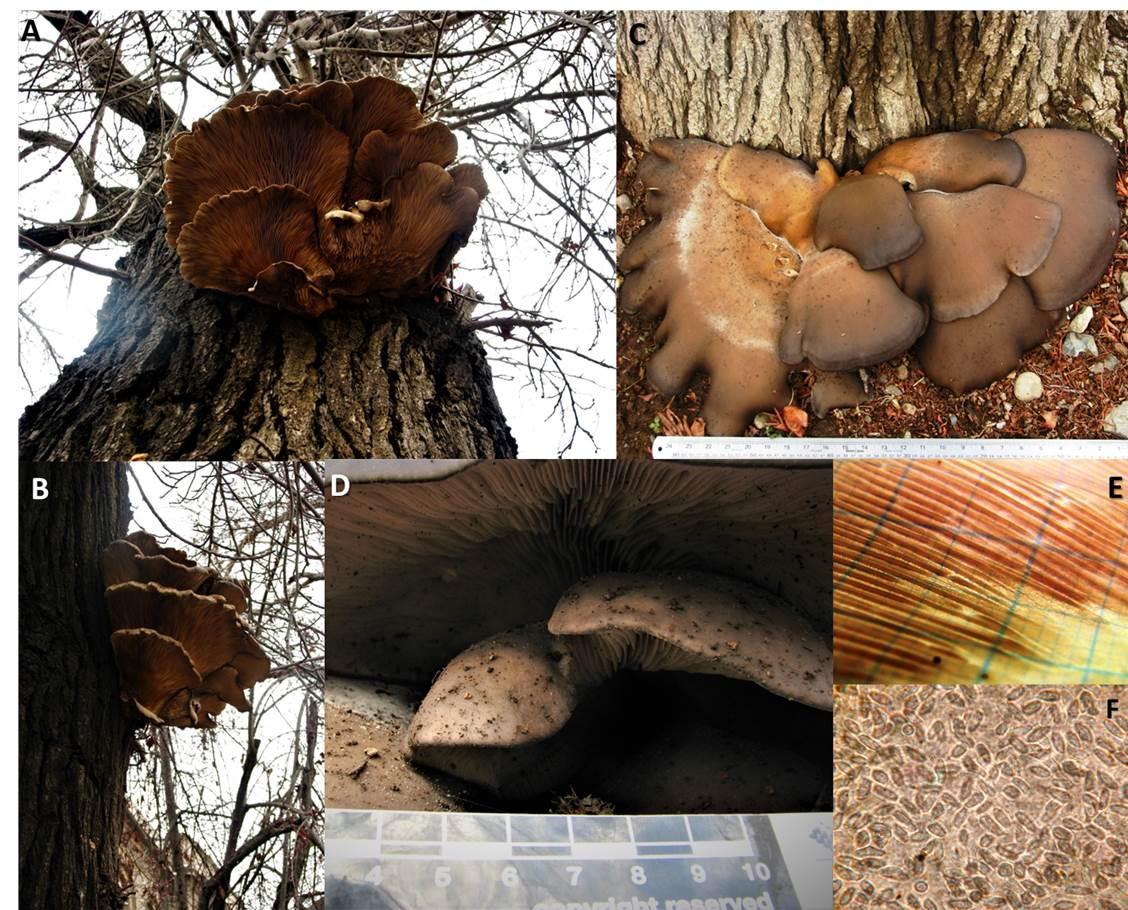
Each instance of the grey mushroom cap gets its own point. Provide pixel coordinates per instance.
(1077, 172)
(870, 217)
(695, 622)
(501, 715)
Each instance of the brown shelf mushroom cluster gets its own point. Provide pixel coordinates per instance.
(513, 713)
(319, 194)
(182, 645)
(967, 245)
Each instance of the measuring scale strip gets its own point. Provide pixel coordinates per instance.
(468, 861)
(781, 449)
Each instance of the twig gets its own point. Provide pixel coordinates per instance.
(28, 243)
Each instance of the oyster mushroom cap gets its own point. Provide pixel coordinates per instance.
(1076, 171)
(157, 674)
(718, 277)
(868, 216)
(973, 352)
(207, 628)
(695, 622)
(495, 715)
(974, 243)
(841, 316)
(785, 193)
(123, 561)
(951, 162)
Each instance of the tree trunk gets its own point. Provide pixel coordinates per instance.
(842, 85)
(176, 372)
(74, 734)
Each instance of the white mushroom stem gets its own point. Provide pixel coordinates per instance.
(343, 215)
(367, 205)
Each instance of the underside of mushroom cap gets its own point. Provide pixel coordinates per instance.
(208, 628)
(1076, 171)
(157, 674)
(974, 243)
(972, 353)
(426, 556)
(402, 248)
(262, 244)
(501, 715)
(868, 216)
(950, 162)
(693, 622)
(242, 148)
(841, 316)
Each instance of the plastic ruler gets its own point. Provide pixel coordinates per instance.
(496, 861)
(702, 448)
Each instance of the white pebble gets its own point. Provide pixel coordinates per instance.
(1027, 386)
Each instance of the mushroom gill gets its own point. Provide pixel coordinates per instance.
(758, 266)
(319, 194)
(182, 648)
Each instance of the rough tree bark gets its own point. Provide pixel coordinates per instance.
(74, 736)
(175, 372)
(841, 85)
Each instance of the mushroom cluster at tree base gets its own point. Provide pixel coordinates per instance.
(964, 247)
(319, 194)
(182, 644)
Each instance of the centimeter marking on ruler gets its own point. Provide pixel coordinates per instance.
(671, 448)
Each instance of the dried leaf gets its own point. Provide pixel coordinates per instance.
(795, 419)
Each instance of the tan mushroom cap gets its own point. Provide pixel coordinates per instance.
(973, 244)
(831, 390)
(869, 216)
(972, 353)
(841, 316)
(157, 674)
(693, 622)
(123, 561)
(207, 628)
(950, 162)
(495, 715)
(784, 192)
(223, 685)
(717, 277)
(147, 544)
(1077, 171)
(234, 592)
(509, 690)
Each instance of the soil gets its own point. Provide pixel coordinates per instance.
(904, 402)
(366, 724)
